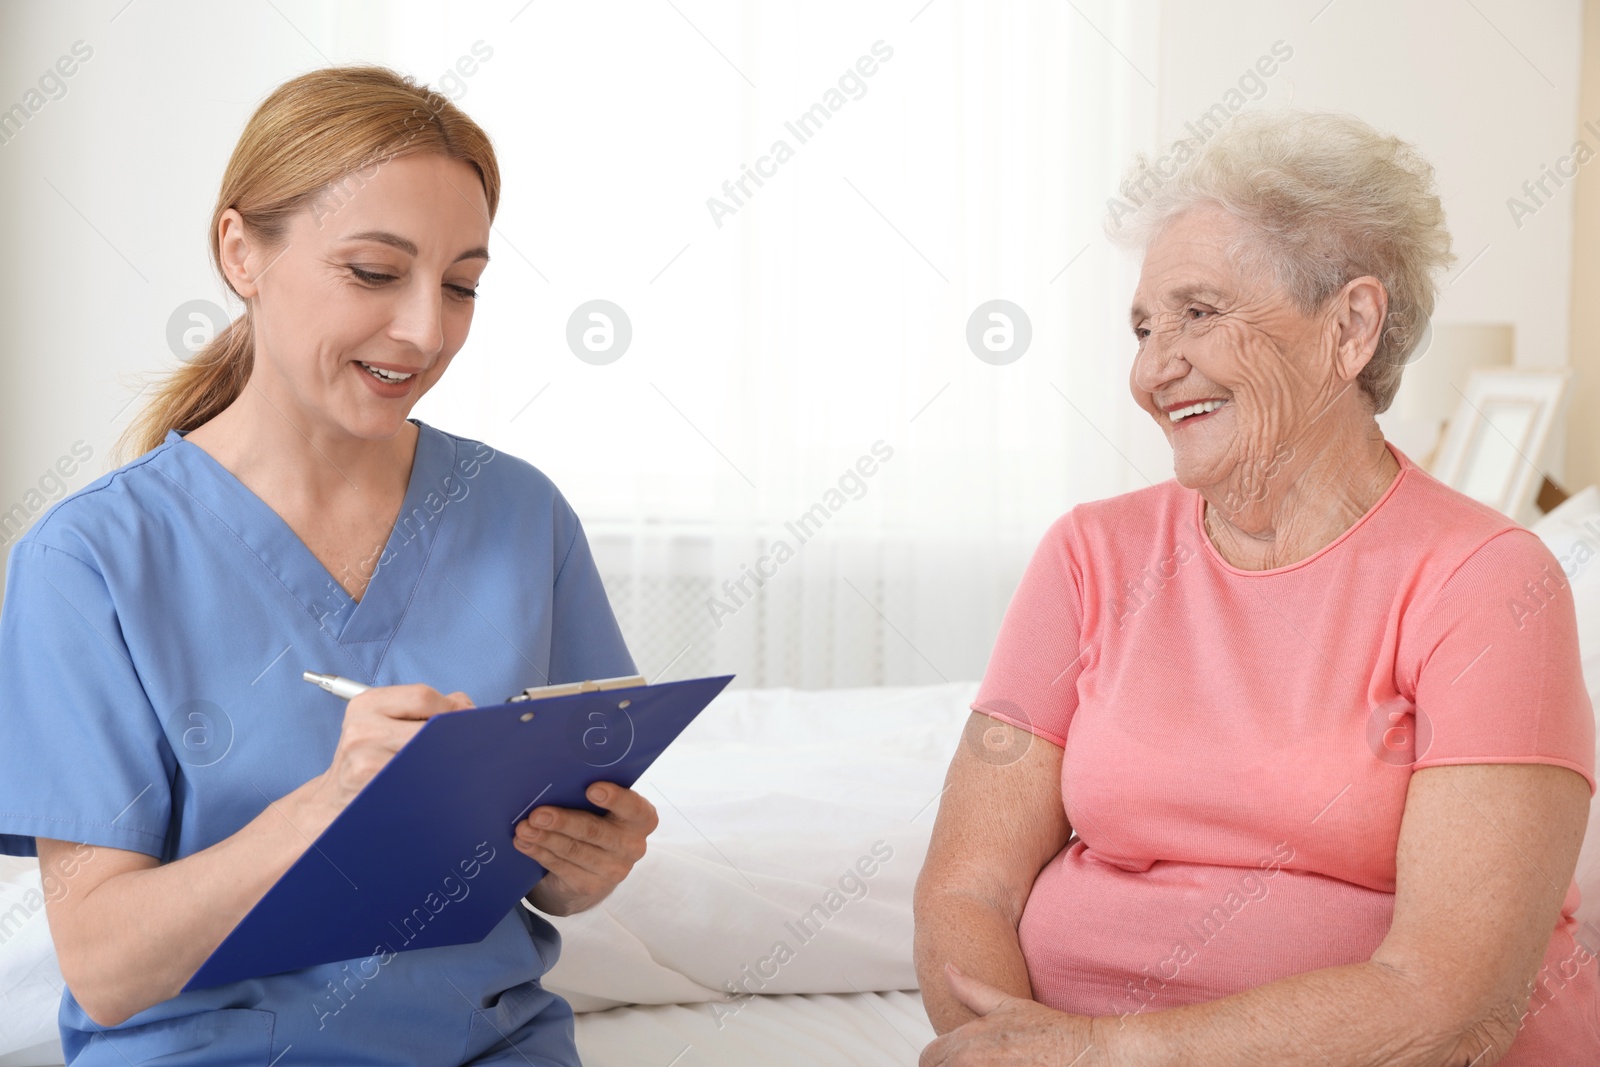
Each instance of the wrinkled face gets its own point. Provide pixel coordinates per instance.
(376, 275)
(1259, 370)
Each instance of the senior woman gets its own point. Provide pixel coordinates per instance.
(157, 744)
(1286, 760)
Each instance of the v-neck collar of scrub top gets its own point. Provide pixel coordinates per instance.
(374, 619)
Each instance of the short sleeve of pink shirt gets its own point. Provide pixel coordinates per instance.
(1032, 669)
(1233, 735)
(1493, 662)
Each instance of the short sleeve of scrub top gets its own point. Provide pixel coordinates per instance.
(154, 629)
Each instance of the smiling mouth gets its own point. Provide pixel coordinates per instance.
(1204, 407)
(392, 377)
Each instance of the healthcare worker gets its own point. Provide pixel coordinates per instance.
(157, 743)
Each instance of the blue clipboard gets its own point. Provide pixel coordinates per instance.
(423, 856)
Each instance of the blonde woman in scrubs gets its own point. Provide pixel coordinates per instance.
(285, 514)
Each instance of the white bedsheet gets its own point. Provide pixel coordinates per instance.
(849, 1030)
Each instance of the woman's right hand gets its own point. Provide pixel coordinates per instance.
(376, 724)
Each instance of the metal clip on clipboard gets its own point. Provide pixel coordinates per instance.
(627, 681)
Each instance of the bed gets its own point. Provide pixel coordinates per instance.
(787, 816)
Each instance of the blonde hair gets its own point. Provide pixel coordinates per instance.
(311, 135)
(1323, 198)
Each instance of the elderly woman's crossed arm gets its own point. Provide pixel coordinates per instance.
(1486, 852)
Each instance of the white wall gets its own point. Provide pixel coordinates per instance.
(1583, 439)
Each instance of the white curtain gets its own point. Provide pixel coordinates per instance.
(953, 153)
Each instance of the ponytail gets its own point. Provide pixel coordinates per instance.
(196, 392)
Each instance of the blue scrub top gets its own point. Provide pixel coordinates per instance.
(155, 627)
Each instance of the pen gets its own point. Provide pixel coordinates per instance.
(343, 688)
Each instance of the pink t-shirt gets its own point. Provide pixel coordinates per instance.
(1237, 744)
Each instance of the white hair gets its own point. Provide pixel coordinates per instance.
(1322, 198)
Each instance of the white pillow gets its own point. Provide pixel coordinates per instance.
(793, 826)
(30, 978)
(1572, 533)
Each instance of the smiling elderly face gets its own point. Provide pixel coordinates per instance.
(1233, 342)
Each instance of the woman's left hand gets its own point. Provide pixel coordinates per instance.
(1008, 1031)
(586, 855)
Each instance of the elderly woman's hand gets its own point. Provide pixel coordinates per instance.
(586, 855)
(1008, 1032)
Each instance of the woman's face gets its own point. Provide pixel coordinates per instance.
(1208, 333)
(376, 273)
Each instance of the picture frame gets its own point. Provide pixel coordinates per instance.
(1494, 444)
